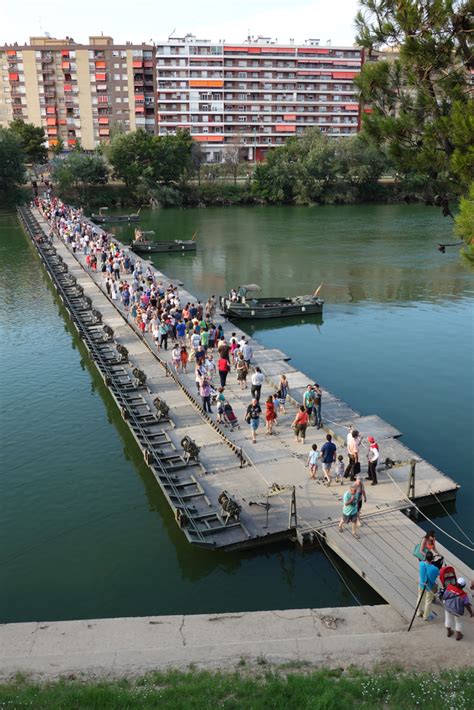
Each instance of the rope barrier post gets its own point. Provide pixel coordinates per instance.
(241, 458)
(417, 607)
(411, 480)
(293, 515)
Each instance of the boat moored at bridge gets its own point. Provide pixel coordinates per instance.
(238, 304)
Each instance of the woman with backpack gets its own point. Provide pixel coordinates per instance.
(455, 601)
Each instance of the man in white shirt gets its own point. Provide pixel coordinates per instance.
(195, 340)
(373, 456)
(353, 444)
(257, 382)
(247, 352)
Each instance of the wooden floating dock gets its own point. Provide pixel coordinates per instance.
(264, 479)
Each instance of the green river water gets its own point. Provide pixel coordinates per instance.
(84, 529)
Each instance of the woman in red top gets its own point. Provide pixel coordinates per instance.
(184, 358)
(270, 414)
(300, 423)
(429, 543)
(223, 366)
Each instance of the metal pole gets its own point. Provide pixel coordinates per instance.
(293, 508)
(417, 607)
(241, 458)
(268, 508)
(411, 480)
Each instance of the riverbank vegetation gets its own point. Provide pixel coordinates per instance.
(12, 167)
(465, 223)
(291, 686)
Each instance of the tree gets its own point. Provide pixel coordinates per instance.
(80, 171)
(197, 159)
(417, 99)
(465, 222)
(58, 147)
(232, 157)
(277, 180)
(314, 168)
(144, 162)
(32, 139)
(132, 157)
(12, 170)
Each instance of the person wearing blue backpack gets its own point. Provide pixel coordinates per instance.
(428, 574)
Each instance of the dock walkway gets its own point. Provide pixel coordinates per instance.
(382, 555)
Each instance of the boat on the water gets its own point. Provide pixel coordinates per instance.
(238, 304)
(114, 218)
(141, 244)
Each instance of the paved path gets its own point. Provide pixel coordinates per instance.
(330, 638)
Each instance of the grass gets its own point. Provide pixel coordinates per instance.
(279, 688)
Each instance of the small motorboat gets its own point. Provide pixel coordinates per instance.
(114, 218)
(141, 244)
(239, 305)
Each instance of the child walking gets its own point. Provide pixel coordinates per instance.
(313, 457)
(340, 469)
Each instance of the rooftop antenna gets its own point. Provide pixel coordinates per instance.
(170, 35)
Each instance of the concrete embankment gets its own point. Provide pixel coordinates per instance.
(333, 638)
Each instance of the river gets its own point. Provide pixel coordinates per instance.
(85, 531)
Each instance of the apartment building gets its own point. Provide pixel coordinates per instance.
(78, 91)
(256, 94)
(244, 98)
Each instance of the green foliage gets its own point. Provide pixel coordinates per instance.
(12, 171)
(144, 161)
(317, 169)
(462, 134)
(217, 195)
(268, 687)
(465, 222)
(420, 100)
(80, 171)
(58, 148)
(32, 140)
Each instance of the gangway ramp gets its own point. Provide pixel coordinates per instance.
(383, 556)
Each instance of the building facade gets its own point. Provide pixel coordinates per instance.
(233, 98)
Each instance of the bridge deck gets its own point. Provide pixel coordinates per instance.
(382, 555)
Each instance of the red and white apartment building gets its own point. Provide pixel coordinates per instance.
(252, 95)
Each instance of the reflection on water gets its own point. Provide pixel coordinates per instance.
(377, 253)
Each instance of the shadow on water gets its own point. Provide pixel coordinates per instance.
(260, 325)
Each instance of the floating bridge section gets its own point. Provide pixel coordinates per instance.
(268, 482)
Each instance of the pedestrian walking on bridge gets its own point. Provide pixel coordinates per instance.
(428, 574)
(349, 510)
